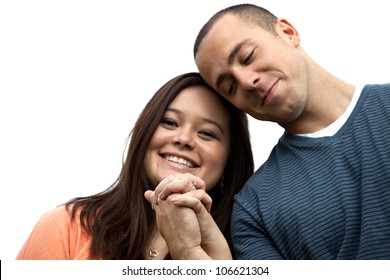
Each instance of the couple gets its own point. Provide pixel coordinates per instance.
(322, 194)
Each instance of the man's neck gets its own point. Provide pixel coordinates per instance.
(327, 101)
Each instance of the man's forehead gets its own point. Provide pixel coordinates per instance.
(213, 53)
(216, 41)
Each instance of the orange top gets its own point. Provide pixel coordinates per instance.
(56, 237)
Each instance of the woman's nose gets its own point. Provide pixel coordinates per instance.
(184, 138)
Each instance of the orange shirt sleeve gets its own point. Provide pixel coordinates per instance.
(56, 237)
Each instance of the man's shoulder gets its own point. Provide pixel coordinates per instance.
(378, 88)
(252, 185)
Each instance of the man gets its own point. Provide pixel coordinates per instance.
(324, 192)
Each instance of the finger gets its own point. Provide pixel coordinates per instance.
(151, 198)
(160, 187)
(196, 181)
(202, 197)
(178, 186)
(182, 185)
(189, 202)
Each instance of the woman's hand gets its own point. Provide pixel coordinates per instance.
(180, 183)
(212, 240)
(184, 220)
(179, 227)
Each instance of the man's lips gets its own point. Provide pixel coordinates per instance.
(270, 92)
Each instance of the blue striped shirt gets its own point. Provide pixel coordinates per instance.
(322, 198)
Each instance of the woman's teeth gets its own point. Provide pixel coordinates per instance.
(181, 161)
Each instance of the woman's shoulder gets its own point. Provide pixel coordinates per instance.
(59, 215)
(58, 222)
(57, 236)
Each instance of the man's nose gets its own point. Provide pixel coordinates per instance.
(247, 79)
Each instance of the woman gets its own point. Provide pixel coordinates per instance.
(184, 129)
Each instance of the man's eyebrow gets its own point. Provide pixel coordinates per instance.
(230, 59)
(235, 51)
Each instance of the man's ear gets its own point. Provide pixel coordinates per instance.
(285, 29)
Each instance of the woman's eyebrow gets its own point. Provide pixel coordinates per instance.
(207, 120)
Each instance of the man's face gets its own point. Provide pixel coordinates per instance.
(259, 72)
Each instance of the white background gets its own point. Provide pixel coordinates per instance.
(74, 75)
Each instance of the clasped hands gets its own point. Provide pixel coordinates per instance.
(183, 217)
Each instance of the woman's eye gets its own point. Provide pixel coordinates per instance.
(168, 122)
(208, 134)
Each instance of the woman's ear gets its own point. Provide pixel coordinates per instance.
(286, 30)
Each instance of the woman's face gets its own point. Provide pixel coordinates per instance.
(193, 137)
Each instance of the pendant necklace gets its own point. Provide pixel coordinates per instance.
(153, 253)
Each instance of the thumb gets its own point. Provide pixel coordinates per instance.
(149, 196)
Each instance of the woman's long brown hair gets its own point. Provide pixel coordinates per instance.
(120, 219)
